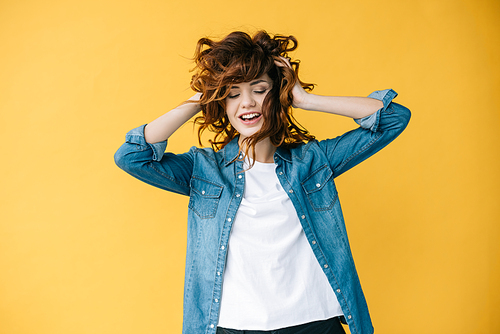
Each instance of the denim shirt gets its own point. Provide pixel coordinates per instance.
(215, 181)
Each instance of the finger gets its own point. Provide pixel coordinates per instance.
(283, 62)
(279, 63)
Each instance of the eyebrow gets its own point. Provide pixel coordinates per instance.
(257, 82)
(253, 83)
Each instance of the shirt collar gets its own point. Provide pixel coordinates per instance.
(284, 153)
(232, 149)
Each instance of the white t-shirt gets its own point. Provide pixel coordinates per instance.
(272, 278)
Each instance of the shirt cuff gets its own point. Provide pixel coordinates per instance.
(136, 136)
(371, 122)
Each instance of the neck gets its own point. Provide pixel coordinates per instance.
(264, 150)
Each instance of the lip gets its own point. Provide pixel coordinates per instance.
(252, 121)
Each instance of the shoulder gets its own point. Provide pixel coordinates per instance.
(301, 150)
(207, 154)
(204, 151)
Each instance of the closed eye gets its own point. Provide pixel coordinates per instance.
(233, 96)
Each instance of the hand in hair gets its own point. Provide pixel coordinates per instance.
(355, 107)
(195, 98)
(299, 93)
(164, 126)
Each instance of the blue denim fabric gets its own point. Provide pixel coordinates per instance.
(215, 181)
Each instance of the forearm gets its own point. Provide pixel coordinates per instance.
(164, 126)
(350, 106)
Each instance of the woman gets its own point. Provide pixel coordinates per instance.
(267, 245)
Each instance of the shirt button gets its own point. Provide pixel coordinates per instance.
(212, 326)
(237, 195)
(303, 216)
(281, 173)
(222, 247)
(216, 300)
(318, 185)
(314, 242)
(240, 176)
(229, 219)
(290, 191)
(338, 290)
(203, 192)
(349, 317)
(218, 273)
(326, 266)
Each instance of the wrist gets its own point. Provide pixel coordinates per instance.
(304, 101)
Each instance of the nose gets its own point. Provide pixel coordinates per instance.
(248, 101)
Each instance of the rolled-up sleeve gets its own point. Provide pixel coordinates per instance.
(136, 136)
(149, 162)
(375, 132)
(371, 122)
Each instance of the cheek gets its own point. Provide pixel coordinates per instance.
(268, 94)
(230, 112)
(262, 99)
(230, 104)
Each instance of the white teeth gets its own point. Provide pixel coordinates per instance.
(249, 116)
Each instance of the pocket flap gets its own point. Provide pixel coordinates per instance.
(206, 188)
(317, 180)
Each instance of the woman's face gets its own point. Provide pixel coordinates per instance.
(244, 105)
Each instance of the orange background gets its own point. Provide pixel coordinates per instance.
(85, 248)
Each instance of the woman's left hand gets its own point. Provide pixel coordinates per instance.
(298, 92)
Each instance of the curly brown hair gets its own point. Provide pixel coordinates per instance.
(241, 58)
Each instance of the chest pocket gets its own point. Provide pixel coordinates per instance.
(320, 189)
(204, 197)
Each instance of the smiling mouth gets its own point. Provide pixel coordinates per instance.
(250, 116)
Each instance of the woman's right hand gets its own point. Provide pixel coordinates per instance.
(195, 97)
(164, 126)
